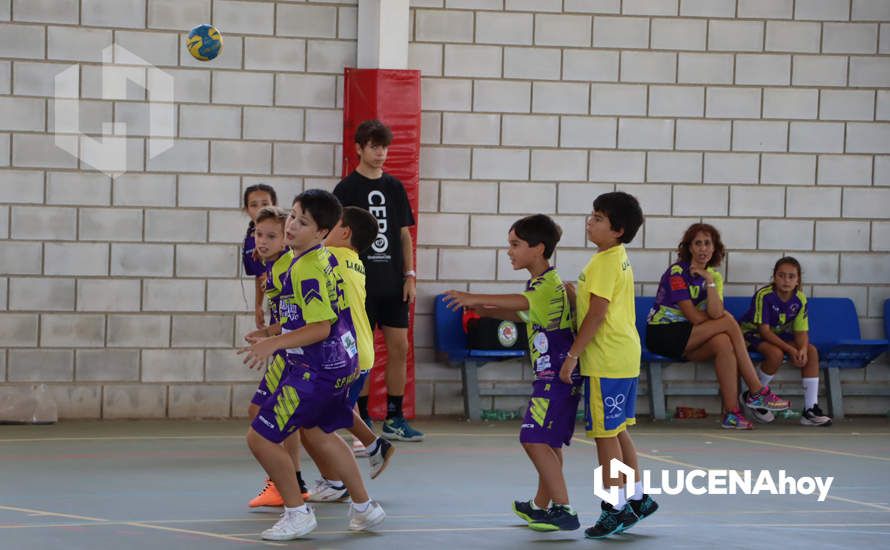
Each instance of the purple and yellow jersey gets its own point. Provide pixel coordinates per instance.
(276, 273)
(548, 323)
(312, 293)
(678, 284)
(783, 318)
(252, 266)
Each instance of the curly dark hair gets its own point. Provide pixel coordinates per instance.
(683, 252)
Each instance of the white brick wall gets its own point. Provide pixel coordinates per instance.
(767, 118)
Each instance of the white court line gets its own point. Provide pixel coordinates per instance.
(797, 447)
(696, 467)
(103, 522)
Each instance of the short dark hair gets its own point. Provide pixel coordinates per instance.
(272, 213)
(374, 132)
(685, 255)
(623, 211)
(322, 205)
(538, 229)
(265, 188)
(363, 225)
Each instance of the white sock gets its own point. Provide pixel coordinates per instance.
(373, 448)
(301, 509)
(361, 507)
(765, 378)
(622, 500)
(811, 392)
(533, 505)
(637, 494)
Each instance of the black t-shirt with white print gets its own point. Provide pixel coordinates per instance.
(387, 200)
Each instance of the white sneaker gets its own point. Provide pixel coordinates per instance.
(359, 450)
(814, 417)
(359, 521)
(292, 525)
(325, 491)
(379, 459)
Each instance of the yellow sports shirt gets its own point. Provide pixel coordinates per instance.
(354, 278)
(614, 351)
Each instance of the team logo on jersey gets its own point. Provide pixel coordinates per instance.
(540, 342)
(310, 290)
(507, 333)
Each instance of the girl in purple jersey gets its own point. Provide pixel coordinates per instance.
(256, 197)
(777, 324)
(688, 322)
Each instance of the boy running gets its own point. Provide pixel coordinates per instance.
(322, 362)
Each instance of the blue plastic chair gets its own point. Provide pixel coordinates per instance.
(451, 342)
(834, 331)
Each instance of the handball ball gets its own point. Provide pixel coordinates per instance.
(204, 42)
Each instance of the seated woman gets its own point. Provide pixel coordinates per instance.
(688, 322)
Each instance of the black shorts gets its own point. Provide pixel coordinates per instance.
(386, 311)
(669, 340)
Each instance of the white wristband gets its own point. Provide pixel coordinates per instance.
(411, 273)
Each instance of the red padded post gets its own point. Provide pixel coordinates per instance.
(393, 97)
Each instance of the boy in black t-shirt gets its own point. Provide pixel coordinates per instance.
(389, 266)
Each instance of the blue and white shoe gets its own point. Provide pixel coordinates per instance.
(397, 428)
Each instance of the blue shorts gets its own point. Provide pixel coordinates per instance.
(609, 405)
(355, 389)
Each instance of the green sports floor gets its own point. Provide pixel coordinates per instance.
(185, 484)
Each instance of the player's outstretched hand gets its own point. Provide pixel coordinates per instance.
(455, 299)
(257, 355)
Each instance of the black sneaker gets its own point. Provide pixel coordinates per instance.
(559, 518)
(814, 417)
(643, 508)
(609, 523)
(524, 510)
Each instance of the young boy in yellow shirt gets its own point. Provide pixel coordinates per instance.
(608, 347)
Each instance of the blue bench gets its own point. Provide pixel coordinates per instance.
(834, 331)
(451, 345)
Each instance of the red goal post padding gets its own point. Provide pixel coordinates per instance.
(393, 97)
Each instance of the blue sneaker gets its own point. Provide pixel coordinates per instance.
(559, 518)
(397, 428)
(609, 523)
(642, 508)
(523, 509)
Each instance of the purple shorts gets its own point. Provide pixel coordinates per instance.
(753, 339)
(270, 381)
(303, 400)
(550, 418)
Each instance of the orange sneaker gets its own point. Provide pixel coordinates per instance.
(269, 496)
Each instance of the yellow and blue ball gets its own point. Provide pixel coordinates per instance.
(204, 42)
